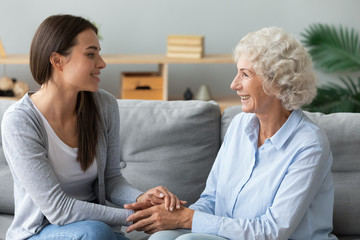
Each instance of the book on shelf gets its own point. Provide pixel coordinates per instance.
(185, 40)
(185, 46)
(2, 50)
(184, 54)
(181, 48)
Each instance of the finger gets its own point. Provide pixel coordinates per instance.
(161, 192)
(137, 205)
(141, 214)
(139, 225)
(178, 204)
(155, 200)
(165, 195)
(172, 203)
(151, 230)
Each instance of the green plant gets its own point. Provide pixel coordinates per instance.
(335, 50)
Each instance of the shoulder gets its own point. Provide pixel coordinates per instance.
(104, 97)
(106, 101)
(309, 140)
(21, 118)
(241, 120)
(310, 132)
(107, 106)
(238, 125)
(20, 112)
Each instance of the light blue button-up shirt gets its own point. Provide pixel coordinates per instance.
(281, 190)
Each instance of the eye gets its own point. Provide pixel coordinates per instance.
(91, 55)
(245, 75)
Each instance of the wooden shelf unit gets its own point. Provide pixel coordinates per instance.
(160, 59)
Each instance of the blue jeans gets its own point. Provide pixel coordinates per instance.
(82, 230)
(181, 234)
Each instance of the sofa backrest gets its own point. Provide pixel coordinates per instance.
(343, 132)
(170, 143)
(6, 180)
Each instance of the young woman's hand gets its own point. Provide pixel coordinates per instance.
(156, 196)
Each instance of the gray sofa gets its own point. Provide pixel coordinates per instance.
(175, 143)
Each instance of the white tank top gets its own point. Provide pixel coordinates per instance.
(73, 181)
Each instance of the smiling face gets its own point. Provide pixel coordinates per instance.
(81, 69)
(248, 85)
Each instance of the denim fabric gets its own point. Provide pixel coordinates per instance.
(181, 234)
(89, 230)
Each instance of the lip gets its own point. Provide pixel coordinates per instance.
(95, 75)
(244, 97)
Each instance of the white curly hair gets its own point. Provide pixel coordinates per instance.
(284, 64)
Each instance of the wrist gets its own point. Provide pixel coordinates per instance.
(187, 217)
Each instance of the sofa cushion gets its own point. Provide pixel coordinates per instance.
(5, 222)
(343, 132)
(6, 180)
(170, 143)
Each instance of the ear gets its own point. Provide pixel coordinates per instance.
(56, 60)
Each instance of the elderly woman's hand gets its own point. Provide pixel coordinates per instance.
(157, 218)
(156, 196)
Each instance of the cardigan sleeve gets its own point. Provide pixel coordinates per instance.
(118, 190)
(36, 186)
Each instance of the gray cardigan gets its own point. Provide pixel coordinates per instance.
(39, 200)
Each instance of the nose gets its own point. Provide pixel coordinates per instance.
(101, 63)
(236, 83)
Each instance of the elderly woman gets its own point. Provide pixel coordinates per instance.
(271, 178)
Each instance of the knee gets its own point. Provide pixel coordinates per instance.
(93, 230)
(167, 234)
(162, 235)
(191, 236)
(185, 237)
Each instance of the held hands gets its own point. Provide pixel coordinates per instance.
(156, 196)
(154, 211)
(158, 218)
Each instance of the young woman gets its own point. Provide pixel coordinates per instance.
(272, 176)
(62, 143)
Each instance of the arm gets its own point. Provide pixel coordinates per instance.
(25, 148)
(118, 190)
(291, 202)
(281, 218)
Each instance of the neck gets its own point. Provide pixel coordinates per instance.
(55, 103)
(271, 122)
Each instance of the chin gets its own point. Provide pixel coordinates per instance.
(246, 109)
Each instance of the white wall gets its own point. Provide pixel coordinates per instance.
(141, 27)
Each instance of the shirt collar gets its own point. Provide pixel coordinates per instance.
(284, 133)
(252, 129)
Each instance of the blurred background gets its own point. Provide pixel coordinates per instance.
(142, 27)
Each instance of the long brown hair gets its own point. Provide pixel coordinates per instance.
(58, 34)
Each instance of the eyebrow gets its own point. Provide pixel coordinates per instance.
(247, 69)
(93, 48)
